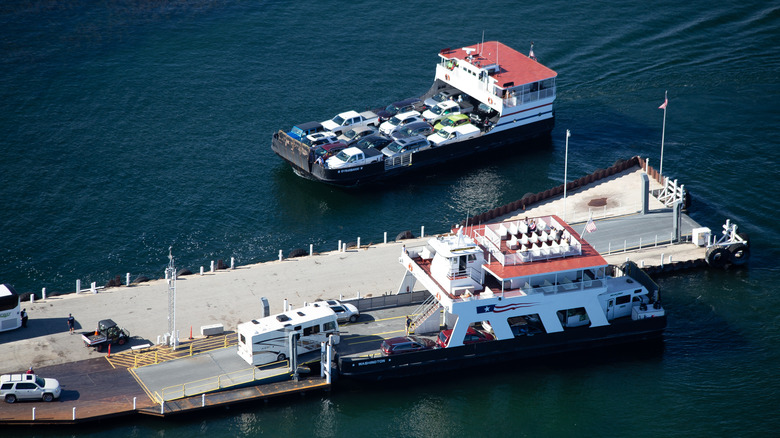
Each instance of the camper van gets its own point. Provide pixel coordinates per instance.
(264, 340)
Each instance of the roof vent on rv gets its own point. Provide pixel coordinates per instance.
(282, 318)
(301, 313)
(254, 321)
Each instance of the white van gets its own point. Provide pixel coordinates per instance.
(264, 340)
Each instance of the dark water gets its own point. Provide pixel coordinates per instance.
(131, 126)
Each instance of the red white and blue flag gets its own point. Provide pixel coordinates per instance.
(590, 226)
(666, 102)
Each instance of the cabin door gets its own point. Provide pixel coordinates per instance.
(610, 309)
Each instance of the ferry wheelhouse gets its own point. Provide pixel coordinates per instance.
(530, 287)
(509, 96)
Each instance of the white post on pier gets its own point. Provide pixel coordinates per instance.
(663, 132)
(385, 236)
(339, 245)
(78, 286)
(93, 288)
(201, 270)
(311, 249)
(422, 231)
(127, 279)
(232, 263)
(281, 255)
(43, 293)
(212, 267)
(358, 243)
(565, 173)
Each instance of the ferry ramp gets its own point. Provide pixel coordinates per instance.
(208, 372)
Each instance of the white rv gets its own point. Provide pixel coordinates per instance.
(264, 340)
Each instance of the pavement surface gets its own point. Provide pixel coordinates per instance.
(232, 296)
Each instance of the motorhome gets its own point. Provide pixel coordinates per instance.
(265, 340)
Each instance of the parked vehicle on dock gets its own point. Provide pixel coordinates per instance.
(406, 344)
(107, 333)
(350, 119)
(266, 340)
(15, 387)
(345, 312)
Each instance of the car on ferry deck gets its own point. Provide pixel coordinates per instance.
(319, 138)
(345, 312)
(412, 129)
(453, 120)
(406, 344)
(326, 151)
(472, 336)
(401, 119)
(441, 96)
(356, 133)
(303, 129)
(401, 106)
(376, 141)
(409, 144)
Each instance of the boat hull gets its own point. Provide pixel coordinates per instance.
(484, 353)
(514, 140)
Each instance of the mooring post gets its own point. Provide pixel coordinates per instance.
(358, 243)
(385, 236)
(32, 298)
(74, 413)
(281, 255)
(422, 231)
(93, 288)
(127, 279)
(339, 245)
(311, 249)
(33, 414)
(212, 266)
(232, 263)
(203, 400)
(662, 260)
(43, 293)
(74, 409)
(78, 286)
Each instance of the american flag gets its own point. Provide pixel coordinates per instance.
(590, 226)
(666, 102)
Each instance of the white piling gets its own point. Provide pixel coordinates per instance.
(281, 255)
(339, 245)
(345, 247)
(162, 407)
(127, 279)
(33, 414)
(422, 231)
(32, 298)
(93, 288)
(203, 400)
(212, 266)
(311, 249)
(201, 270)
(133, 404)
(662, 260)
(385, 236)
(358, 244)
(284, 306)
(74, 413)
(43, 293)
(232, 263)
(78, 286)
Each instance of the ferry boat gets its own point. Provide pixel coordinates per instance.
(508, 96)
(515, 290)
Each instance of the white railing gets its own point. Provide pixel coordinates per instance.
(671, 193)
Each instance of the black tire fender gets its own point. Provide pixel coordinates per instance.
(739, 253)
(718, 257)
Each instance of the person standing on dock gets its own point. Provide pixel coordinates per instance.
(24, 318)
(408, 324)
(71, 323)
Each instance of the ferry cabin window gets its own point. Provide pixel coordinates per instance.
(329, 326)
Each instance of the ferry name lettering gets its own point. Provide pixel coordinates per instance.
(354, 169)
(371, 362)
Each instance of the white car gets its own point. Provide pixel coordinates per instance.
(399, 120)
(344, 311)
(15, 387)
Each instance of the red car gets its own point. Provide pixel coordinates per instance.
(472, 335)
(406, 344)
(328, 150)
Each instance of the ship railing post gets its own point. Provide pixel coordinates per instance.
(625, 242)
(93, 287)
(201, 270)
(323, 361)
(281, 255)
(609, 248)
(203, 400)
(43, 293)
(212, 266)
(662, 260)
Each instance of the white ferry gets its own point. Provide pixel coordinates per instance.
(507, 95)
(514, 290)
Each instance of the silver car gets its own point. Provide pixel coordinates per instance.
(15, 387)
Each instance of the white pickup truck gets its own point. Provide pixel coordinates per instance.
(353, 156)
(350, 119)
(446, 108)
(450, 134)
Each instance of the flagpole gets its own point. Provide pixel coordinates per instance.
(663, 134)
(565, 173)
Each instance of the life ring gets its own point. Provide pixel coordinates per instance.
(438, 296)
(490, 100)
(447, 77)
(410, 267)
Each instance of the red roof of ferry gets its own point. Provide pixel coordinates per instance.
(514, 66)
(588, 259)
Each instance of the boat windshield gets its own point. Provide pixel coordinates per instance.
(338, 120)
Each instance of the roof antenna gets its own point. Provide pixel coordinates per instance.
(482, 46)
(531, 53)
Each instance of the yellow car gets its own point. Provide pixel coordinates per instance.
(453, 120)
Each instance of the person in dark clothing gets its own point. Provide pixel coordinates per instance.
(24, 317)
(71, 323)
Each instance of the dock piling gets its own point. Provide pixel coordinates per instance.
(78, 286)
(385, 236)
(127, 279)
(74, 410)
(43, 293)
(93, 288)
(212, 266)
(232, 263)
(311, 249)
